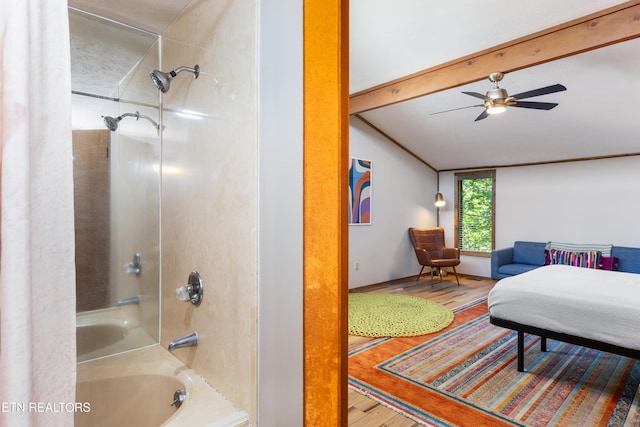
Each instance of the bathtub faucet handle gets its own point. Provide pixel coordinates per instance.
(193, 290)
(182, 293)
(134, 266)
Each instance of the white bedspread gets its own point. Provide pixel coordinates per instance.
(597, 304)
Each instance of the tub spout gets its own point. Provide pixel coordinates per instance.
(190, 340)
(129, 301)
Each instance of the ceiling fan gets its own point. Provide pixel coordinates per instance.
(497, 99)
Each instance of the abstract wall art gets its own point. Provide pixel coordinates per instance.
(360, 192)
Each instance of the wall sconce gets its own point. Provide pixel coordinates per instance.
(439, 200)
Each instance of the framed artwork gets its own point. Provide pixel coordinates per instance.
(360, 192)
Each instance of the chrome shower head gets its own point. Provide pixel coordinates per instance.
(111, 123)
(163, 80)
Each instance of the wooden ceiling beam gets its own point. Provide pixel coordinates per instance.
(603, 28)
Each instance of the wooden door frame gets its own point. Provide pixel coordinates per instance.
(325, 227)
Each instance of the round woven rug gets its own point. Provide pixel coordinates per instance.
(389, 315)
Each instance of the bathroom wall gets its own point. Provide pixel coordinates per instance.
(209, 193)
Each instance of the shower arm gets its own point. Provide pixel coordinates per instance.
(195, 70)
(137, 115)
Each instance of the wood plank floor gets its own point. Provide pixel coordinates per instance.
(365, 412)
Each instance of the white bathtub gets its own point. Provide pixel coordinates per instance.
(136, 389)
(109, 331)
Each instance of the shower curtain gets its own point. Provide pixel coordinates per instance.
(37, 272)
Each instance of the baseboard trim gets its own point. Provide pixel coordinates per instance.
(373, 286)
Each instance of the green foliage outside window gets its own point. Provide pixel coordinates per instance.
(475, 214)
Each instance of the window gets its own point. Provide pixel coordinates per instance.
(475, 212)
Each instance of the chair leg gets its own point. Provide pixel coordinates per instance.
(440, 273)
(454, 272)
(419, 274)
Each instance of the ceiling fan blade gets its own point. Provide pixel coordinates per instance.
(455, 109)
(535, 105)
(541, 91)
(482, 115)
(476, 94)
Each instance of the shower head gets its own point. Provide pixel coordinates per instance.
(163, 80)
(112, 123)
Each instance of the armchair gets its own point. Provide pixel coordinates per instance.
(431, 252)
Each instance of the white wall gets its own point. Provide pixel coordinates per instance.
(581, 202)
(402, 191)
(280, 358)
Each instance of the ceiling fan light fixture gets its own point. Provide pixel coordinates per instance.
(496, 100)
(496, 109)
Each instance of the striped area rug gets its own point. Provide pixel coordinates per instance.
(466, 375)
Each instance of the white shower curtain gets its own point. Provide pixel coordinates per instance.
(37, 272)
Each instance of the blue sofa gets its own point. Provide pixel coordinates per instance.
(525, 256)
(520, 258)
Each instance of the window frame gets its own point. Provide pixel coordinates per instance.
(458, 178)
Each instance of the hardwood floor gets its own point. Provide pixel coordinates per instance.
(365, 412)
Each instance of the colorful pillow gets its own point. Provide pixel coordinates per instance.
(586, 259)
(578, 247)
(609, 263)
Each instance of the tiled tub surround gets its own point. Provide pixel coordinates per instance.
(210, 195)
(136, 389)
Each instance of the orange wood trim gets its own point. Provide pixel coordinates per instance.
(325, 198)
(547, 162)
(609, 26)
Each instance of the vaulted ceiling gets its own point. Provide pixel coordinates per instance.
(392, 43)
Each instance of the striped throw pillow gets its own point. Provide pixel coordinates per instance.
(578, 247)
(586, 259)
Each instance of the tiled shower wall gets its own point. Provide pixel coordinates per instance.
(209, 193)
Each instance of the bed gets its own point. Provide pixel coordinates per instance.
(590, 307)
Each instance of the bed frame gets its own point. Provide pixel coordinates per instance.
(572, 339)
(629, 261)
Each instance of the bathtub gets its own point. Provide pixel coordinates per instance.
(108, 331)
(136, 389)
